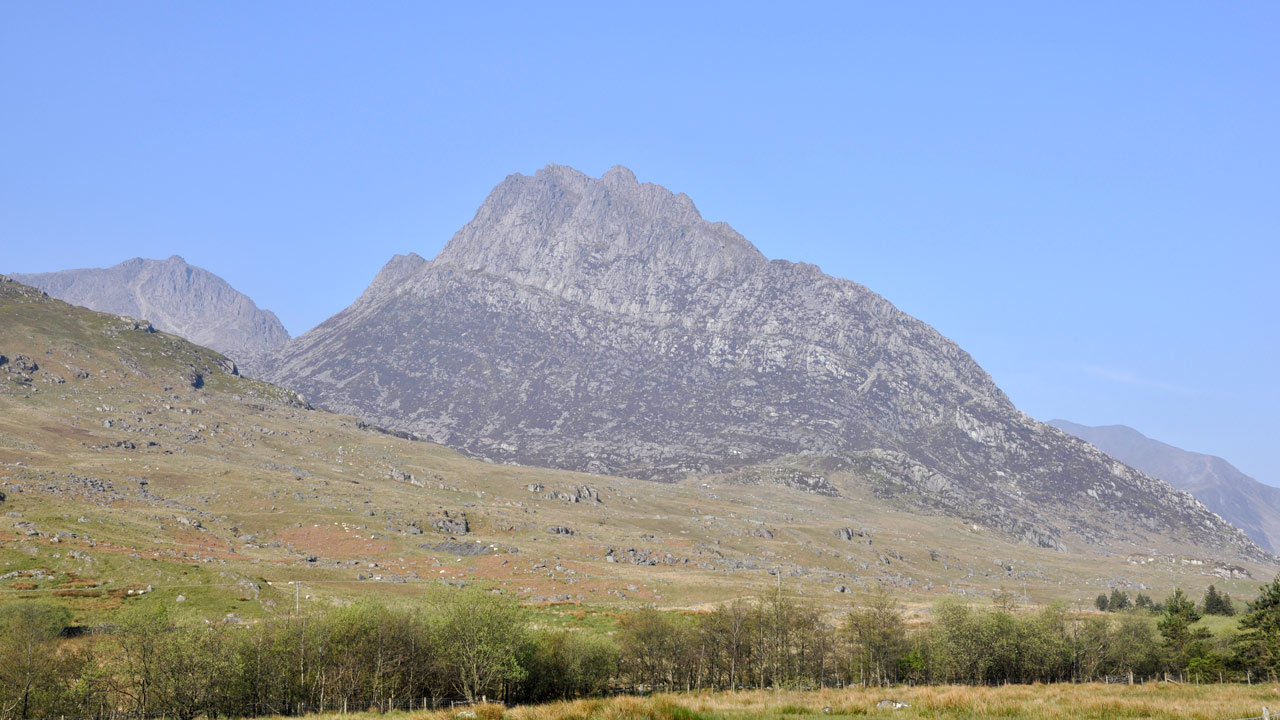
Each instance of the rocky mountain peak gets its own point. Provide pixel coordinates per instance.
(393, 274)
(612, 241)
(176, 297)
(620, 175)
(602, 324)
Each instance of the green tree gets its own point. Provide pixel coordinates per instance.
(1090, 641)
(30, 677)
(1044, 651)
(1133, 646)
(728, 632)
(957, 646)
(1119, 600)
(656, 648)
(876, 638)
(1101, 602)
(1216, 603)
(1181, 640)
(482, 637)
(136, 653)
(1258, 646)
(565, 664)
(191, 673)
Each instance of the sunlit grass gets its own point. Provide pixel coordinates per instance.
(1158, 701)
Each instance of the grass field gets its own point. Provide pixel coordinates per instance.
(1034, 702)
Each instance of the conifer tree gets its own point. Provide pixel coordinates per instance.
(1180, 638)
(1259, 645)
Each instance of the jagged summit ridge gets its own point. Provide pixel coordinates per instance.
(602, 324)
(609, 241)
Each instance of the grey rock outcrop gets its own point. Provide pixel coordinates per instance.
(603, 325)
(1238, 498)
(176, 297)
(451, 524)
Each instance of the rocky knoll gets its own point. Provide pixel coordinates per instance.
(604, 325)
(176, 297)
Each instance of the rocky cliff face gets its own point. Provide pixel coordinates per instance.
(1238, 498)
(604, 325)
(176, 297)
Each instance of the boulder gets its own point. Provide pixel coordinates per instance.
(451, 525)
(227, 366)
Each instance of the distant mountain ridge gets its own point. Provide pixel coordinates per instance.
(1244, 502)
(602, 324)
(176, 297)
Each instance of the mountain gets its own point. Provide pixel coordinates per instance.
(175, 297)
(1238, 498)
(602, 325)
(135, 468)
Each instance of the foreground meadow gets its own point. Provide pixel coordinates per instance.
(1033, 702)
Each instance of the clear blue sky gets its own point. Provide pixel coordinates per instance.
(1085, 196)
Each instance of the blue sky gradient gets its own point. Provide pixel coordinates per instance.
(1085, 197)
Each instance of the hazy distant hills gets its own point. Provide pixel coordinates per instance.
(175, 297)
(1238, 498)
(602, 324)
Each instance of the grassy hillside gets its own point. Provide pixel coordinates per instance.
(133, 463)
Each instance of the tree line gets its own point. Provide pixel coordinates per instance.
(1214, 603)
(777, 642)
(473, 644)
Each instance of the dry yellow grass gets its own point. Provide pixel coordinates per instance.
(1034, 702)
